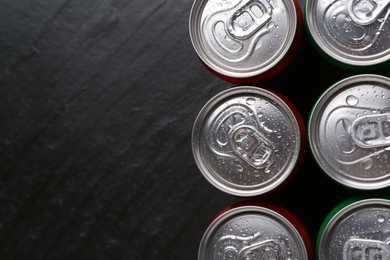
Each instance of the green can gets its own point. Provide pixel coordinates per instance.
(357, 228)
(353, 34)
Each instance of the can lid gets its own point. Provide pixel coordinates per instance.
(242, 38)
(351, 32)
(246, 141)
(349, 132)
(361, 228)
(251, 232)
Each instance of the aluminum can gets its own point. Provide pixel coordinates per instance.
(353, 34)
(248, 141)
(245, 41)
(255, 232)
(356, 230)
(349, 132)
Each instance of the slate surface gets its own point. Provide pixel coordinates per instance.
(98, 99)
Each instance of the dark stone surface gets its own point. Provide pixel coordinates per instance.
(98, 99)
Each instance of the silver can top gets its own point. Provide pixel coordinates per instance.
(251, 232)
(246, 141)
(242, 38)
(353, 32)
(349, 132)
(360, 230)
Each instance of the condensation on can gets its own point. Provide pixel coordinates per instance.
(248, 141)
(357, 228)
(255, 231)
(245, 41)
(349, 132)
(352, 34)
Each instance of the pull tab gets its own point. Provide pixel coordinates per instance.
(365, 249)
(235, 133)
(371, 131)
(249, 18)
(252, 146)
(364, 12)
(267, 250)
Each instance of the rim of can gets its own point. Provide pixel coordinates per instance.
(249, 210)
(337, 55)
(209, 108)
(338, 214)
(232, 71)
(314, 138)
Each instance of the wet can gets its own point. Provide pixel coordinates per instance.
(248, 141)
(256, 231)
(353, 34)
(356, 229)
(245, 41)
(349, 132)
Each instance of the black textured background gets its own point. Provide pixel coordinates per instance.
(98, 99)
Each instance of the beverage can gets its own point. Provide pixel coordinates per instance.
(353, 34)
(357, 228)
(248, 141)
(245, 41)
(252, 231)
(349, 132)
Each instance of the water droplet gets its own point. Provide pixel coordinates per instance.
(352, 100)
(250, 101)
(366, 164)
(270, 25)
(242, 23)
(374, 111)
(381, 218)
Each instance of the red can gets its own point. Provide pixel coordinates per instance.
(245, 41)
(249, 141)
(256, 230)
